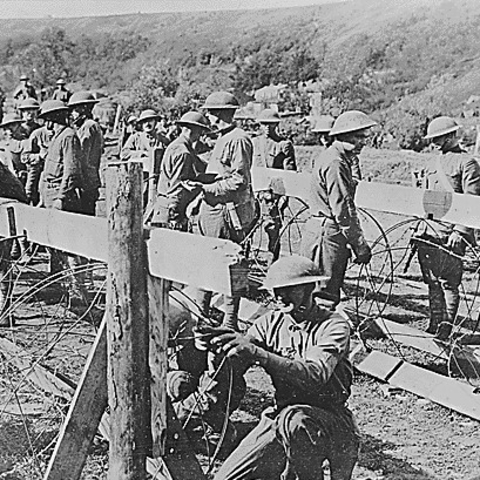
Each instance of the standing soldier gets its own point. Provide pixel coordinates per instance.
(179, 165)
(228, 206)
(61, 183)
(29, 108)
(91, 141)
(441, 246)
(61, 92)
(148, 145)
(24, 90)
(12, 145)
(334, 226)
(272, 151)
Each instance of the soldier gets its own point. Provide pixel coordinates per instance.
(61, 92)
(228, 206)
(61, 183)
(91, 141)
(322, 126)
(272, 151)
(179, 164)
(29, 108)
(304, 349)
(441, 246)
(334, 226)
(24, 90)
(11, 146)
(148, 145)
(10, 187)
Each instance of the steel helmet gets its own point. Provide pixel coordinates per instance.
(292, 270)
(10, 119)
(81, 98)
(221, 100)
(61, 81)
(131, 119)
(194, 118)
(322, 124)
(441, 126)
(268, 115)
(351, 121)
(29, 104)
(148, 114)
(23, 77)
(52, 106)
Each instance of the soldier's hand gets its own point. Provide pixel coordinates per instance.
(363, 254)
(57, 204)
(191, 185)
(455, 241)
(235, 344)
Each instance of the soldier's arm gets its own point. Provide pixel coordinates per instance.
(71, 178)
(129, 150)
(237, 180)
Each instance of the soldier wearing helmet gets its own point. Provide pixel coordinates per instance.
(272, 151)
(304, 349)
(12, 144)
(29, 108)
(228, 206)
(441, 246)
(179, 165)
(91, 142)
(334, 228)
(61, 92)
(61, 183)
(24, 90)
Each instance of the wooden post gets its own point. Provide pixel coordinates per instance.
(127, 314)
(476, 149)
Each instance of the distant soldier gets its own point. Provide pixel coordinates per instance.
(441, 246)
(12, 145)
(272, 151)
(228, 206)
(29, 108)
(24, 90)
(61, 92)
(179, 165)
(334, 227)
(321, 126)
(61, 184)
(149, 146)
(91, 141)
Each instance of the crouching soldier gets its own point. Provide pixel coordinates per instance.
(441, 246)
(304, 348)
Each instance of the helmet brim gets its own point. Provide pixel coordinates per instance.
(442, 132)
(334, 131)
(193, 124)
(301, 281)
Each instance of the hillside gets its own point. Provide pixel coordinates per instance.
(404, 61)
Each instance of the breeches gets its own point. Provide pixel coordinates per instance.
(324, 243)
(294, 444)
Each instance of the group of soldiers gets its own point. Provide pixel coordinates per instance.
(199, 180)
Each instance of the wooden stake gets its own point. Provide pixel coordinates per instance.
(127, 316)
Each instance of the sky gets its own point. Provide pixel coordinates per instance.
(81, 8)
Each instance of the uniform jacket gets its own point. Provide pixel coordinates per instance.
(179, 163)
(36, 146)
(91, 142)
(63, 164)
(22, 92)
(141, 144)
(332, 191)
(231, 160)
(61, 94)
(318, 348)
(274, 152)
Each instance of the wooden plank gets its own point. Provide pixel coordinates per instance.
(84, 414)
(445, 391)
(35, 373)
(127, 317)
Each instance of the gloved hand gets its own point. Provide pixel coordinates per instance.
(363, 254)
(235, 344)
(203, 335)
(455, 241)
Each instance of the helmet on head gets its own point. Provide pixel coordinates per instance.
(61, 81)
(148, 114)
(351, 121)
(23, 77)
(29, 104)
(290, 271)
(322, 124)
(268, 115)
(52, 106)
(10, 119)
(441, 126)
(193, 119)
(221, 100)
(82, 98)
(131, 119)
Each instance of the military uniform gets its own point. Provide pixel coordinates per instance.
(442, 271)
(180, 163)
(91, 143)
(310, 422)
(273, 152)
(334, 224)
(24, 91)
(61, 94)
